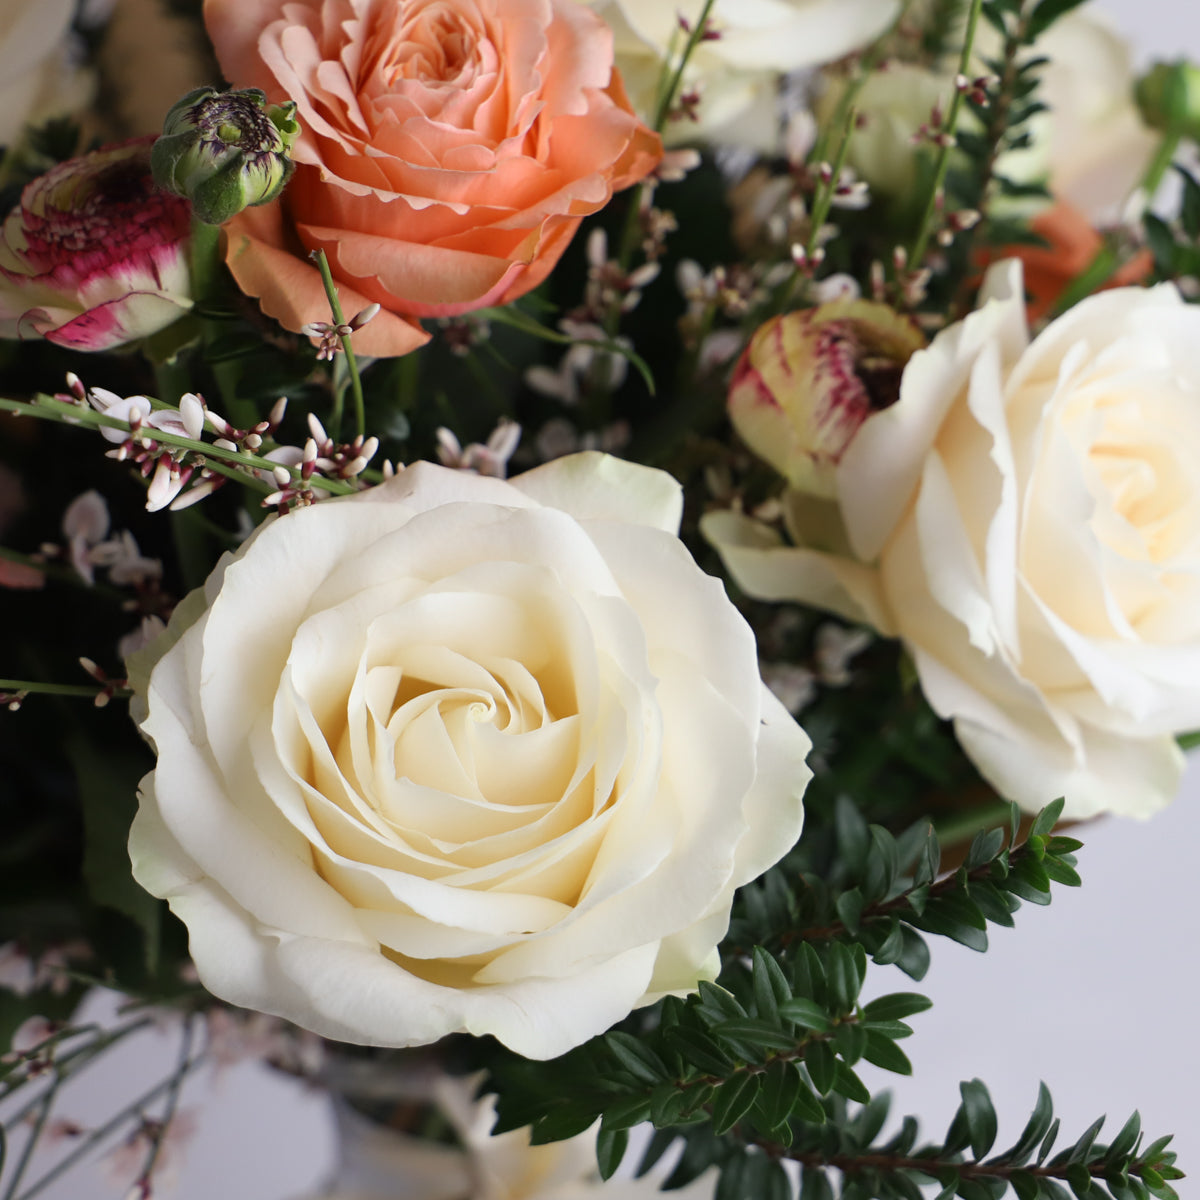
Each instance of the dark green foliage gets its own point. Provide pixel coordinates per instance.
(886, 891)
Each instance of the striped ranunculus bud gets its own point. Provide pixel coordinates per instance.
(225, 151)
(809, 379)
(94, 255)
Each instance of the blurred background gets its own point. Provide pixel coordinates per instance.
(1090, 997)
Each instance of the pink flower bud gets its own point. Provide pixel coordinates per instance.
(94, 256)
(810, 378)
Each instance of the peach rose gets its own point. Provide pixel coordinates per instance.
(450, 150)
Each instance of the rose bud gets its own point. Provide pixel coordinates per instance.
(225, 151)
(95, 256)
(1169, 98)
(808, 379)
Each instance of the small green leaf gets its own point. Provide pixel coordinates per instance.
(897, 1006)
(985, 846)
(849, 1041)
(624, 1114)
(780, 1089)
(1025, 1185)
(849, 909)
(610, 1150)
(565, 1121)
(914, 960)
(699, 1050)
(1048, 1142)
(815, 1185)
(753, 1034)
(847, 1084)
(1046, 13)
(853, 836)
(733, 1100)
(841, 977)
(821, 1064)
(980, 1116)
(883, 1052)
(771, 988)
(1035, 1129)
(717, 1002)
(807, 1014)
(637, 1058)
(1045, 821)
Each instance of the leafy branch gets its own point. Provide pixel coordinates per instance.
(871, 902)
(1089, 1168)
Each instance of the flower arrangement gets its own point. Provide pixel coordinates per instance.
(551, 539)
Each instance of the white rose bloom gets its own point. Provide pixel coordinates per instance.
(37, 80)
(1027, 518)
(738, 72)
(461, 754)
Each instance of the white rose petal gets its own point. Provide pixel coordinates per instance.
(1027, 518)
(460, 754)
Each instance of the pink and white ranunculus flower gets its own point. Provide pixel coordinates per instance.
(463, 755)
(1026, 517)
(94, 256)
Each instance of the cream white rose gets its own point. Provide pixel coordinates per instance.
(461, 754)
(737, 73)
(37, 79)
(1027, 518)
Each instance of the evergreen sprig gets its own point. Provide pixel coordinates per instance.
(895, 1169)
(869, 896)
(755, 1056)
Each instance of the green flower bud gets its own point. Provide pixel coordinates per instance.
(1169, 97)
(225, 151)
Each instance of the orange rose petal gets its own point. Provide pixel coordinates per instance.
(421, 281)
(234, 27)
(556, 237)
(289, 288)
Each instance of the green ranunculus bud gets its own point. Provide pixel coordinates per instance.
(225, 151)
(1169, 97)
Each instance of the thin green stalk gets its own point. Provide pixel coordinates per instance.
(97, 1136)
(824, 198)
(360, 418)
(1164, 156)
(59, 689)
(47, 408)
(866, 65)
(47, 1103)
(925, 231)
(695, 36)
(172, 1102)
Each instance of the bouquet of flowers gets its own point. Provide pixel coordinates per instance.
(546, 540)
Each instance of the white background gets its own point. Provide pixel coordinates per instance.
(1096, 995)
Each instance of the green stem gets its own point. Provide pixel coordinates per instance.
(47, 408)
(695, 36)
(47, 1103)
(335, 306)
(57, 689)
(1164, 156)
(172, 1102)
(925, 230)
(824, 197)
(98, 1135)
(960, 826)
(866, 65)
